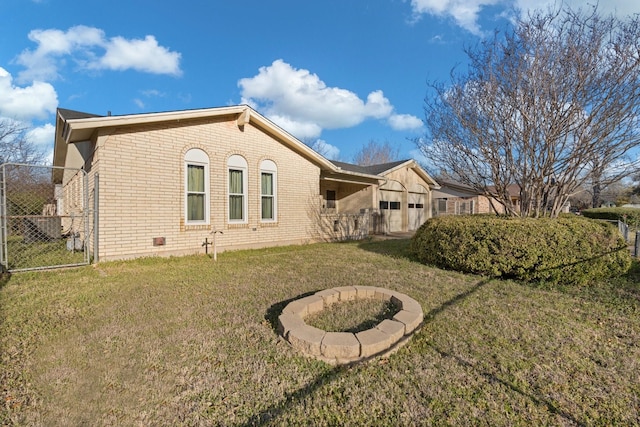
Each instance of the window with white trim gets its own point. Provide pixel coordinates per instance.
(237, 166)
(196, 187)
(268, 191)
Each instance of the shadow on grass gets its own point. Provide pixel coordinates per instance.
(5, 276)
(538, 400)
(492, 378)
(398, 248)
(275, 310)
(456, 299)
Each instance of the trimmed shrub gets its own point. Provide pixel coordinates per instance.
(564, 251)
(629, 215)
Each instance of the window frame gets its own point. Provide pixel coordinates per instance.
(442, 202)
(330, 199)
(269, 167)
(199, 158)
(238, 163)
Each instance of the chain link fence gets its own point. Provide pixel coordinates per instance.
(43, 224)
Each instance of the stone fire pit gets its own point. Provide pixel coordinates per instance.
(339, 348)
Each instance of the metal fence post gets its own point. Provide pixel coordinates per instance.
(3, 221)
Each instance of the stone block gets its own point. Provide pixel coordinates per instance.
(382, 294)
(410, 320)
(340, 345)
(295, 307)
(363, 292)
(374, 341)
(306, 339)
(314, 303)
(406, 303)
(330, 296)
(347, 293)
(287, 322)
(392, 328)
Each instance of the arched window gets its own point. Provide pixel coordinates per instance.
(237, 166)
(196, 187)
(268, 191)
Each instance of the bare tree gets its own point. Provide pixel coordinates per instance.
(322, 148)
(550, 105)
(376, 153)
(15, 147)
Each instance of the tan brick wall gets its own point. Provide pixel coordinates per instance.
(350, 198)
(141, 180)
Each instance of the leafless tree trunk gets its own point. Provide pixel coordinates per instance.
(547, 106)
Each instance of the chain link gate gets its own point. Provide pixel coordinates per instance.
(43, 224)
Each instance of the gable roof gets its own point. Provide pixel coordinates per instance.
(386, 168)
(75, 126)
(72, 114)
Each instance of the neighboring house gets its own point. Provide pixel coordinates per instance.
(162, 183)
(453, 198)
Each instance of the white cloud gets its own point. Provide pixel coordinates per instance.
(405, 122)
(329, 151)
(299, 128)
(89, 48)
(465, 13)
(24, 103)
(141, 55)
(149, 93)
(42, 136)
(304, 105)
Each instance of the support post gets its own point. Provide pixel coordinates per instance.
(215, 247)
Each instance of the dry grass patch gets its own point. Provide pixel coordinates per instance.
(185, 341)
(352, 316)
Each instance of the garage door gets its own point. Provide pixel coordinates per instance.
(391, 209)
(416, 210)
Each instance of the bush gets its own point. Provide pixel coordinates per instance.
(629, 215)
(565, 251)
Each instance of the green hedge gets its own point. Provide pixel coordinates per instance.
(629, 215)
(568, 250)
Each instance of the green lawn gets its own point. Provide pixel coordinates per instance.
(186, 341)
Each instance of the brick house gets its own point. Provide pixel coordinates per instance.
(162, 183)
(453, 198)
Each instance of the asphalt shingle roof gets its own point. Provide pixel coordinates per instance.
(72, 114)
(370, 170)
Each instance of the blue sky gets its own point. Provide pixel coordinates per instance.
(335, 73)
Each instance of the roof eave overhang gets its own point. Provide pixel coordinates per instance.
(352, 177)
(418, 170)
(78, 130)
